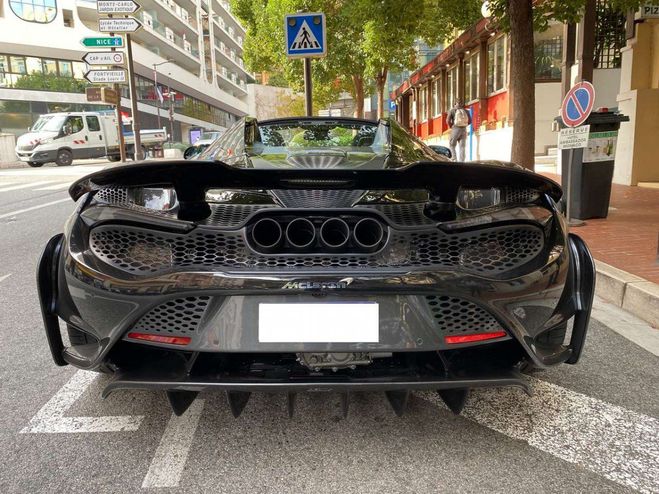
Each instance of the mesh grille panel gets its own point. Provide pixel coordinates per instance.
(229, 215)
(403, 214)
(140, 252)
(455, 315)
(113, 195)
(517, 195)
(318, 198)
(179, 316)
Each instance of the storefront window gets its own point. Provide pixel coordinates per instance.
(496, 65)
(471, 78)
(436, 102)
(42, 11)
(452, 87)
(423, 103)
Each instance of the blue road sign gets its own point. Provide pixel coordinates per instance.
(392, 104)
(577, 104)
(305, 35)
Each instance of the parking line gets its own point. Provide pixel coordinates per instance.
(51, 420)
(27, 210)
(25, 186)
(172, 453)
(56, 186)
(617, 443)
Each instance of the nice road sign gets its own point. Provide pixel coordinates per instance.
(306, 35)
(104, 42)
(106, 76)
(119, 25)
(104, 58)
(577, 104)
(117, 6)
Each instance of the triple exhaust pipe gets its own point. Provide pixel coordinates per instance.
(333, 235)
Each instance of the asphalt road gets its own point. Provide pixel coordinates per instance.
(588, 428)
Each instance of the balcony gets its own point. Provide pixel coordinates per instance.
(230, 83)
(173, 14)
(228, 33)
(168, 43)
(233, 59)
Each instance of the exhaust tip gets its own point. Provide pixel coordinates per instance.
(368, 234)
(300, 233)
(334, 233)
(267, 234)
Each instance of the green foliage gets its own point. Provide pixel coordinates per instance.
(50, 82)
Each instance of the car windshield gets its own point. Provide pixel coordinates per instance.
(298, 135)
(209, 136)
(49, 123)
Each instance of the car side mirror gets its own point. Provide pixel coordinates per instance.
(189, 153)
(443, 150)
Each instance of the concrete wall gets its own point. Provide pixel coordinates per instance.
(7, 145)
(547, 107)
(607, 87)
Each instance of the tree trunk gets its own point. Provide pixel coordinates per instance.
(381, 82)
(522, 81)
(358, 95)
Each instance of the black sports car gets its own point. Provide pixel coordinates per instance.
(309, 254)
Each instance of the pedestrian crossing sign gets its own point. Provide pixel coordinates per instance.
(305, 35)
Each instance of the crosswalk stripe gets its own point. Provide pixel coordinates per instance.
(56, 186)
(617, 443)
(25, 186)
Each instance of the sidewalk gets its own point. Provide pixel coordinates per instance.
(626, 247)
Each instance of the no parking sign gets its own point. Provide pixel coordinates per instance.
(577, 104)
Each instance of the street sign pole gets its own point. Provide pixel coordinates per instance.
(308, 98)
(117, 108)
(133, 100)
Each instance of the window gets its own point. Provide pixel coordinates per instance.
(50, 66)
(18, 65)
(496, 65)
(42, 11)
(68, 18)
(423, 103)
(609, 36)
(452, 86)
(436, 103)
(471, 77)
(73, 125)
(65, 68)
(93, 124)
(33, 64)
(548, 52)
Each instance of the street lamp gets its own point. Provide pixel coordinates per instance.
(155, 83)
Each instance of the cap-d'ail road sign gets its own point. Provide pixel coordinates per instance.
(116, 6)
(104, 42)
(305, 35)
(119, 25)
(104, 58)
(577, 104)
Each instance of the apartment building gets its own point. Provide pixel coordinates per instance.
(193, 48)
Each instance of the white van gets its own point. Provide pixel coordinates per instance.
(63, 137)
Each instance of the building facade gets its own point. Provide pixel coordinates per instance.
(193, 48)
(475, 68)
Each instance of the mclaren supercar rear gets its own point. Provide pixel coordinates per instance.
(315, 254)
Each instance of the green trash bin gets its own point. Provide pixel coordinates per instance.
(592, 167)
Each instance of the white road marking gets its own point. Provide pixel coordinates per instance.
(628, 325)
(56, 186)
(51, 420)
(614, 442)
(172, 453)
(25, 186)
(27, 210)
(4, 277)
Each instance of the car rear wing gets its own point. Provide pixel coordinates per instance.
(191, 179)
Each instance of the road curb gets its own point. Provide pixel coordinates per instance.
(629, 292)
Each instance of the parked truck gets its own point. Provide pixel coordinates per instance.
(63, 137)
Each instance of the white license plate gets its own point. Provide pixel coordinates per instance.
(319, 323)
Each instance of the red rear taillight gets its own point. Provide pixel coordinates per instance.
(155, 338)
(470, 338)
